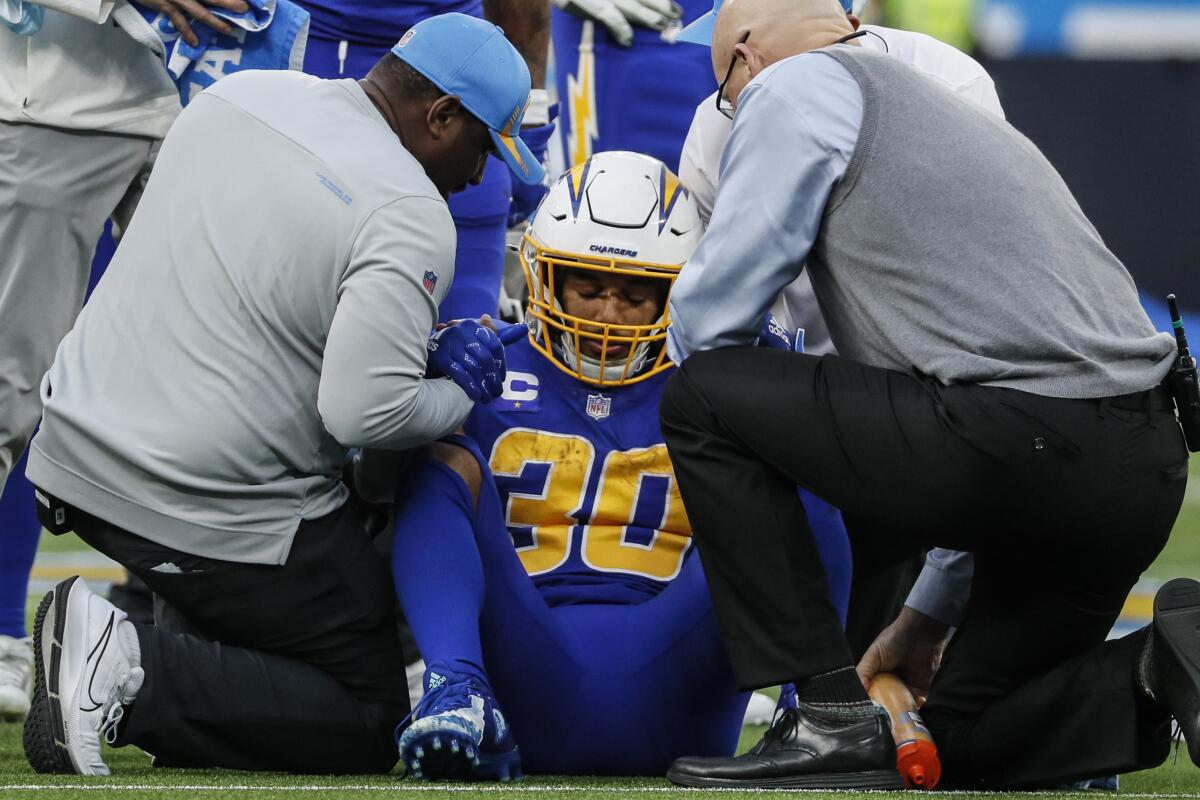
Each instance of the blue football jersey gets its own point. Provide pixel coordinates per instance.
(584, 477)
(377, 22)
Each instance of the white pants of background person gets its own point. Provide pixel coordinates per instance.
(57, 188)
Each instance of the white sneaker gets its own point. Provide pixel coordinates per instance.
(88, 668)
(759, 710)
(16, 677)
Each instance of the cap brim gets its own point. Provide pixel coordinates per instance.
(700, 30)
(517, 156)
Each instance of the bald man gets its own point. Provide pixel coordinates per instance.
(996, 370)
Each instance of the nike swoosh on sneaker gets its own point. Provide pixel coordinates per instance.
(96, 652)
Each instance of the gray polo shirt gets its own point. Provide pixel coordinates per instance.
(267, 309)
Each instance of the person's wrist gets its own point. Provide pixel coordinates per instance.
(921, 625)
(538, 111)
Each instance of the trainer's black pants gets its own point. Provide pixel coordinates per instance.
(296, 667)
(1064, 502)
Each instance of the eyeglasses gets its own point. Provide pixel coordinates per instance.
(725, 105)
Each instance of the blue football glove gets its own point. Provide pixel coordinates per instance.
(472, 356)
(525, 198)
(773, 335)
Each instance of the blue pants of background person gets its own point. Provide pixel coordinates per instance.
(480, 213)
(587, 689)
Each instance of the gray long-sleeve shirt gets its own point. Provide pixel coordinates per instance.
(267, 309)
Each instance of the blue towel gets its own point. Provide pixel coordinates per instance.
(271, 35)
(20, 17)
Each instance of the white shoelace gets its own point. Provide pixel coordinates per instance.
(122, 694)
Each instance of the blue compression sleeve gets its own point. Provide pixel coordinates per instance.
(437, 569)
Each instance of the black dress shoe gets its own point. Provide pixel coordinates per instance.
(805, 749)
(1170, 666)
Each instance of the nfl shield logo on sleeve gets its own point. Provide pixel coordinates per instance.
(598, 406)
(429, 281)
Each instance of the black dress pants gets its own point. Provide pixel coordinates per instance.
(295, 667)
(1064, 503)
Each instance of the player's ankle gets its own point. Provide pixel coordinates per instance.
(839, 687)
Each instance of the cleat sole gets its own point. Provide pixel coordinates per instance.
(455, 757)
(44, 736)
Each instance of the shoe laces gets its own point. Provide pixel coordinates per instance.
(783, 725)
(112, 719)
(785, 722)
(449, 696)
(113, 712)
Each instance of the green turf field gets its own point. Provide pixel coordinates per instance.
(133, 776)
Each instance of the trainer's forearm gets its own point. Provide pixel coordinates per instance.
(526, 23)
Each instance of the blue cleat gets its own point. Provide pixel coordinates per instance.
(1109, 783)
(457, 732)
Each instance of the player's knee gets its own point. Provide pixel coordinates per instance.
(463, 462)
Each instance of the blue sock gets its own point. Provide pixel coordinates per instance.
(437, 569)
(19, 532)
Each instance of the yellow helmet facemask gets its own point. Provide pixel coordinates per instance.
(559, 336)
(618, 213)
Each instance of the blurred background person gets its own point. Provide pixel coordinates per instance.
(623, 82)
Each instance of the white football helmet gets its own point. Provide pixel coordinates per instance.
(621, 213)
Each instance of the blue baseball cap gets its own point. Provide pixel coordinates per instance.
(470, 59)
(700, 30)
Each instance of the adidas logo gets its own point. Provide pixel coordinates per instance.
(436, 681)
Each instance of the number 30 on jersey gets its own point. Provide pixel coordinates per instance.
(634, 521)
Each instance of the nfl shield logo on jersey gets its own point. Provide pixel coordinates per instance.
(429, 281)
(598, 406)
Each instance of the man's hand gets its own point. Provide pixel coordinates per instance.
(183, 12)
(619, 16)
(911, 648)
(471, 353)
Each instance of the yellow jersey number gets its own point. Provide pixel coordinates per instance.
(631, 481)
